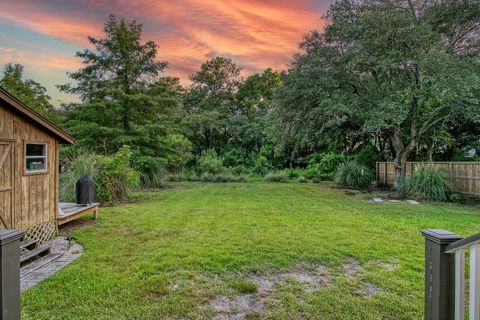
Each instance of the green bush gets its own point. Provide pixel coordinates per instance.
(266, 160)
(218, 177)
(210, 163)
(262, 166)
(238, 170)
(368, 156)
(295, 172)
(78, 167)
(302, 179)
(221, 177)
(175, 177)
(354, 175)
(318, 173)
(235, 156)
(189, 175)
(115, 178)
(177, 150)
(323, 166)
(276, 177)
(152, 171)
(428, 183)
(238, 178)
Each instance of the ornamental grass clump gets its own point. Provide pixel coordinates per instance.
(353, 174)
(428, 183)
(276, 177)
(114, 177)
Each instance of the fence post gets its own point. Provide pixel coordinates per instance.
(10, 274)
(439, 275)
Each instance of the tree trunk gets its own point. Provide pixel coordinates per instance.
(430, 149)
(401, 155)
(400, 164)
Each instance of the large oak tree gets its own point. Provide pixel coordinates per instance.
(399, 70)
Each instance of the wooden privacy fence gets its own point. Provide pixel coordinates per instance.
(464, 176)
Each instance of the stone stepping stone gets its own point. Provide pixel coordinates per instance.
(413, 202)
(378, 200)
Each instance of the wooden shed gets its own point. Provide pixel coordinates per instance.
(29, 169)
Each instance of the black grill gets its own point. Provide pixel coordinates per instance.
(85, 190)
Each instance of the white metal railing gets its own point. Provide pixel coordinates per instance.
(459, 249)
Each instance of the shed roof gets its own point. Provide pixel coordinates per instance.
(17, 105)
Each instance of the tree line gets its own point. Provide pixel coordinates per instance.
(385, 80)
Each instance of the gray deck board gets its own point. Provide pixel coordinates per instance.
(68, 208)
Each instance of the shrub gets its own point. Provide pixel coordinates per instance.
(238, 170)
(238, 178)
(175, 177)
(428, 183)
(152, 171)
(262, 166)
(210, 163)
(295, 172)
(323, 166)
(206, 177)
(276, 177)
(318, 173)
(354, 175)
(266, 160)
(302, 179)
(177, 150)
(82, 165)
(115, 178)
(368, 156)
(235, 156)
(189, 175)
(219, 177)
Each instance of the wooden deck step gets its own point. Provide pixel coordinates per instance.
(27, 244)
(38, 251)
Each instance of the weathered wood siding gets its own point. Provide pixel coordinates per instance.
(464, 176)
(35, 195)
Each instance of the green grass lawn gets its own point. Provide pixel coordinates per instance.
(173, 252)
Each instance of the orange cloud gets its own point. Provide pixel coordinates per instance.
(38, 61)
(255, 34)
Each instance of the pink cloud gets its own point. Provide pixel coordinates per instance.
(37, 61)
(256, 34)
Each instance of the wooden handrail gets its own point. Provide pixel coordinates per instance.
(463, 243)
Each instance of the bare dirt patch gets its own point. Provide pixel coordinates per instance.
(390, 266)
(310, 279)
(250, 306)
(238, 307)
(370, 290)
(75, 225)
(352, 268)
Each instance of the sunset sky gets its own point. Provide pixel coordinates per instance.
(44, 35)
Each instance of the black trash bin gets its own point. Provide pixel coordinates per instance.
(85, 191)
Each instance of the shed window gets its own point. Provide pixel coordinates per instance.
(36, 157)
